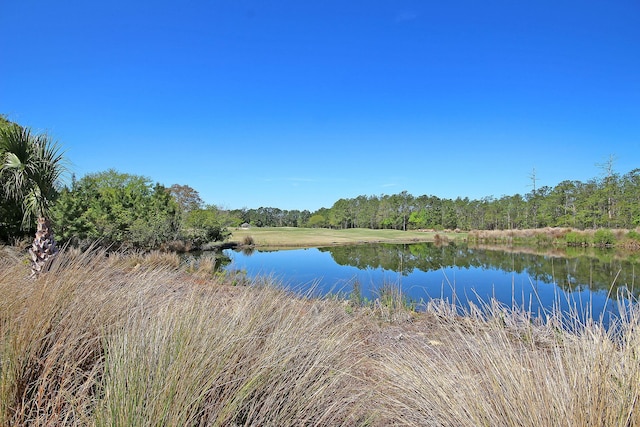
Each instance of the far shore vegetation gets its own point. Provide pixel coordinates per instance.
(558, 237)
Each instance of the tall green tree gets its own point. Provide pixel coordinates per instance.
(118, 209)
(630, 209)
(341, 215)
(206, 225)
(188, 198)
(30, 171)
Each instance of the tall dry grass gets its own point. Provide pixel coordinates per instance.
(493, 370)
(546, 234)
(118, 341)
(136, 341)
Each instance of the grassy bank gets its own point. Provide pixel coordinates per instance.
(283, 237)
(559, 237)
(137, 341)
(291, 237)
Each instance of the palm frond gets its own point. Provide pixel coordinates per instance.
(31, 204)
(31, 168)
(17, 140)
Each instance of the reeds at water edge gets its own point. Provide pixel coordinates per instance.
(139, 340)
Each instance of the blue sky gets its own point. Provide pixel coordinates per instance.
(296, 104)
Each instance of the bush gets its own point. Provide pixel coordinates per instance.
(119, 209)
(633, 235)
(604, 237)
(573, 238)
(543, 239)
(205, 226)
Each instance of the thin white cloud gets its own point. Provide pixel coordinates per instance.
(299, 179)
(405, 15)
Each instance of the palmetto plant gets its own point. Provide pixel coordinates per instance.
(31, 167)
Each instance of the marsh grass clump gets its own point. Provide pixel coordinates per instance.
(160, 259)
(356, 299)
(631, 240)
(494, 365)
(248, 240)
(391, 304)
(440, 239)
(204, 265)
(131, 340)
(96, 342)
(543, 237)
(11, 253)
(247, 365)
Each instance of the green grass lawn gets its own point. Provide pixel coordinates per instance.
(311, 237)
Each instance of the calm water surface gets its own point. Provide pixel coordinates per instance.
(579, 280)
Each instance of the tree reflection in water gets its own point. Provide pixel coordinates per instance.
(535, 280)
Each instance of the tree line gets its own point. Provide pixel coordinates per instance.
(125, 210)
(612, 201)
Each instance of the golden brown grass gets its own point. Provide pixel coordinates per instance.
(121, 340)
(498, 371)
(134, 340)
(512, 236)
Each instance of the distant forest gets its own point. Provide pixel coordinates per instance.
(612, 201)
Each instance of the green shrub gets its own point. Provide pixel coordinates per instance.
(119, 209)
(543, 239)
(604, 237)
(204, 226)
(574, 238)
(633, 235)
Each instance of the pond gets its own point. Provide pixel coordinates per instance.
(586, 281)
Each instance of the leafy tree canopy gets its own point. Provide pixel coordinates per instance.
(187, 198)
(119, 209)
